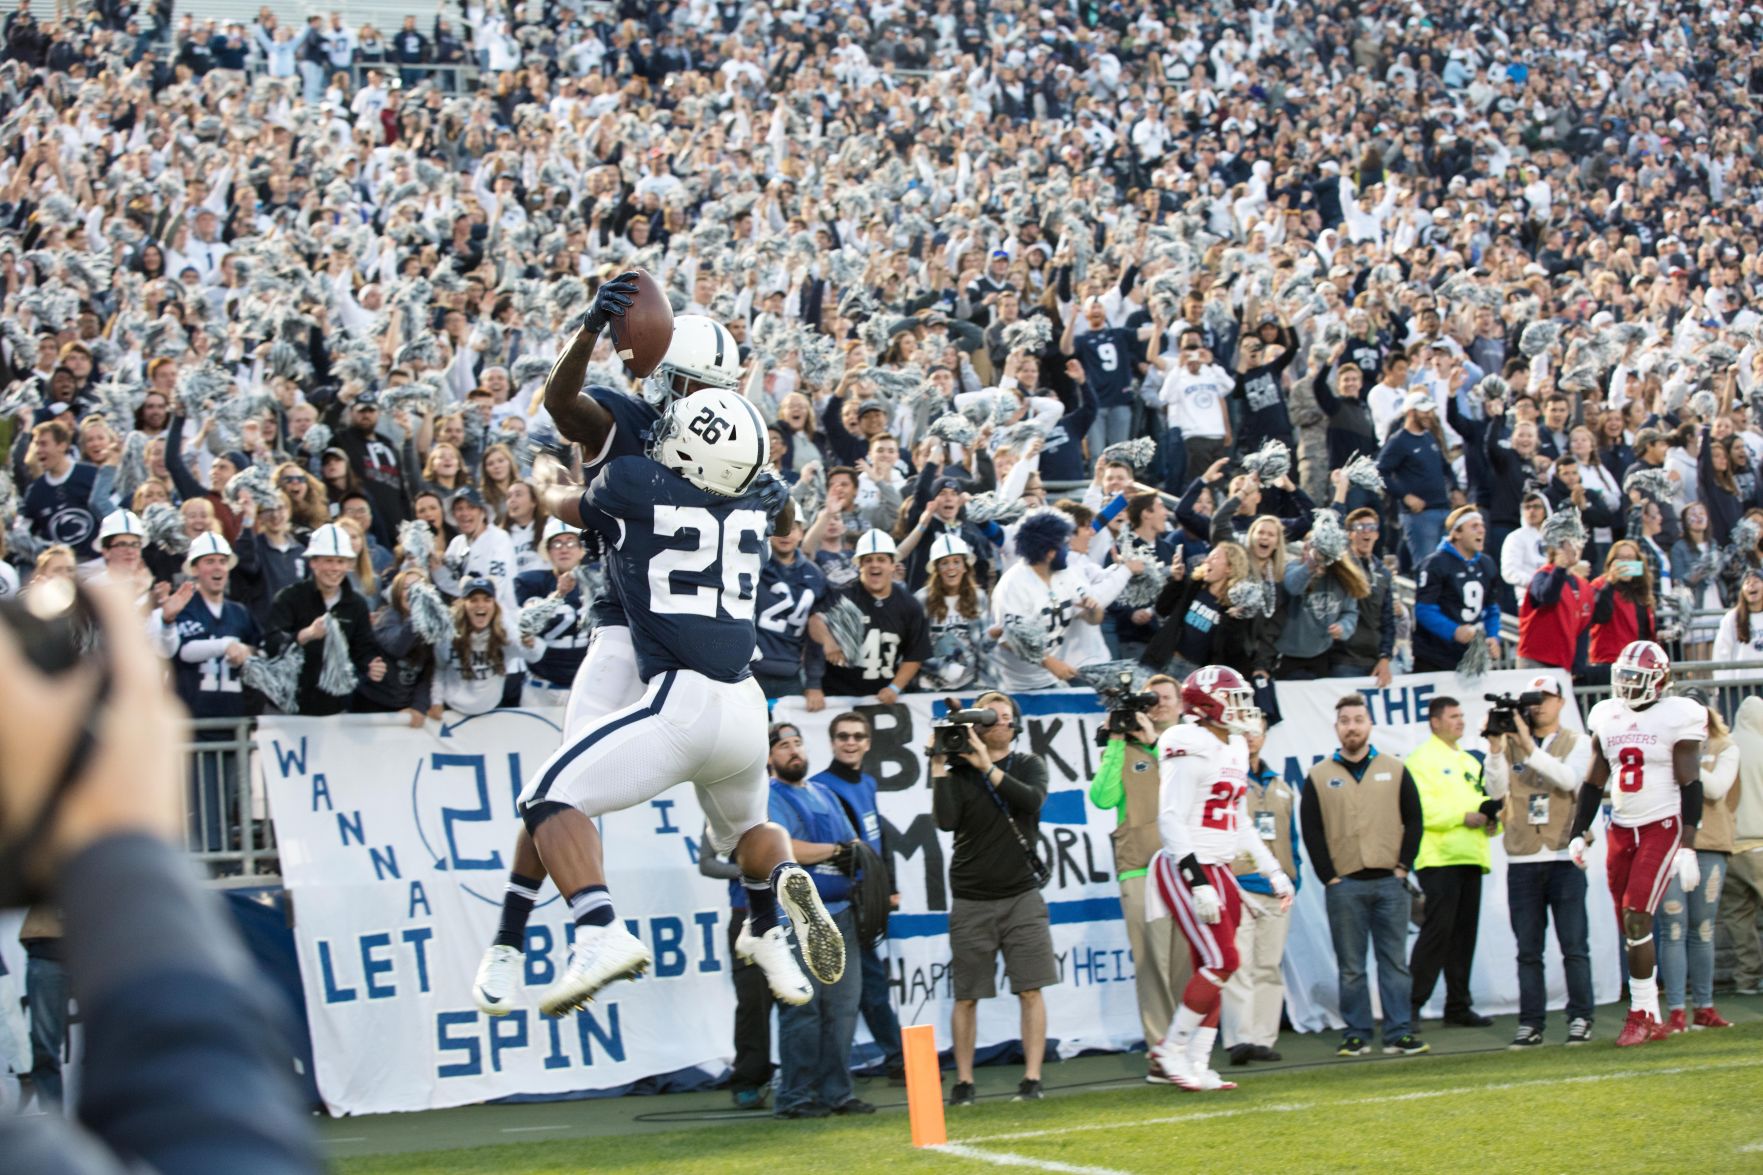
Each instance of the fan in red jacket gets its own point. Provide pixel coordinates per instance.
(1557, 605)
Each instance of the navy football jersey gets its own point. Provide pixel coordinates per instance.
(788, 593)
(1107, 357)
(1462, 591)
(208, 685)
(565, 641)
(632, 421)
(685, 563)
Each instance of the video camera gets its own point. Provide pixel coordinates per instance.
(1507, 710)
(949, 737)
(1124, 706)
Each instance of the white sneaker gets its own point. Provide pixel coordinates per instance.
(601, 954)
(823, 946)
(1168, 1066)
(497, 975)
(772, 954)
(1204, 1081)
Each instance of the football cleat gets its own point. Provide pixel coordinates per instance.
(823, 946)
(1168, 1065)
(1203, 1080)
(771, 953)
(1639, 1028)
(1676, 1023)
(1709, 1018)
(601, 954)
(493, 989)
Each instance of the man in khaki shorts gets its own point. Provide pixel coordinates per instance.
(990, 798)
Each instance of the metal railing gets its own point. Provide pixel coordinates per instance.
(228, 827)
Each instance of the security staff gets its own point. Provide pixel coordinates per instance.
(1128, 781)
(1454, 854)
(1537, 772)
(1360, 814)
(1256, 992)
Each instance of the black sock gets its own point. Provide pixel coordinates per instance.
(517, 904)
(761, 904)
(592, 906)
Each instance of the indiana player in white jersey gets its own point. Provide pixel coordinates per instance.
(1205, 826)
(1652, 746)
(606, 424)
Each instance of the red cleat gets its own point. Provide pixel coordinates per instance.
(1676, 1023)
(1709, 1018)
(1639, 1028)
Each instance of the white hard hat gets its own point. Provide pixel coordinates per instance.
(119, 522)
(713, 438)
(947, 545)
(332, 540)
(209, 544)
(875, 542)
(555, 528)
(703, 350)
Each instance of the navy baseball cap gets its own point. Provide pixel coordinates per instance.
(367, 400)
(474, 585)
(468, 495)
(947, 483)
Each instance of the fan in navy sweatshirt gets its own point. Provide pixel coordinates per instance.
(1456, 590)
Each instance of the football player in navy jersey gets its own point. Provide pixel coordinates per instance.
(687, 530)
(607, 424)
(566, 640)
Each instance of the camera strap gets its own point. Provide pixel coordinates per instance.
(1042, 872)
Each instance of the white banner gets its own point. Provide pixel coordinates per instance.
(395, 845)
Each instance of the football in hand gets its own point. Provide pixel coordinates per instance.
(642, 334)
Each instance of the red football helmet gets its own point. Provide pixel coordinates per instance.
(1640, 673)
(1218, 694)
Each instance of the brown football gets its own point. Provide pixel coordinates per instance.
(642, 335)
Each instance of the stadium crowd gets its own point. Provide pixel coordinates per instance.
(1090, 335)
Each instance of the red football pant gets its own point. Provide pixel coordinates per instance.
(1211, 946)
(1638, 863)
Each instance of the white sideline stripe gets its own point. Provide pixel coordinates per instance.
(1004, 1159)
(1751, 1148)
(351, 1138)
(529, 1129)
(1380, 1099)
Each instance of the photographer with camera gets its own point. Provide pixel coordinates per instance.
(1536, 766)
(990, 797)
(1454, 853)
(1129, 782)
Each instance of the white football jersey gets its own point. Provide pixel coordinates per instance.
(1201, 806)
(1638, 744)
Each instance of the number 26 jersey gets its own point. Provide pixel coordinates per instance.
(1638, 744)
(685, 564)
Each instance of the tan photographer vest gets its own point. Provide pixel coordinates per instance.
(1136, 839)
(1719, 827)
(1362, 820)
(1524, 838)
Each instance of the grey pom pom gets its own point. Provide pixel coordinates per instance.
(1026, 636)
(256, 481)
(417, 542)
(1652, 483)
(165, 528)
(1704, 404)
(1564, 526)
(1248, 598)
(317, 438)
(1270, 462)
(276, 678)
(954, 428)
(1362, 472)
(430, 617)
(336, 676)
(1327, 537)
(1476, 661)
(537, 615)
(529, 368)
(1138, 452)
(846, 624)
(1538, 337)
(983, 508)
(1033, 334)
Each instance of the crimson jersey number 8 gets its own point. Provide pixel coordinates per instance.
(1631, 764)
(1221, 807)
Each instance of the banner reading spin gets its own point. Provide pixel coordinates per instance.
(394, 843)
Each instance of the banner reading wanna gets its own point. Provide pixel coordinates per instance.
(395, 847)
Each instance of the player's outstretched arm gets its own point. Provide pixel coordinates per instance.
(580, 418)
(1686, 761)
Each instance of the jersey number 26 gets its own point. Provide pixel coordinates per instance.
(726, 571)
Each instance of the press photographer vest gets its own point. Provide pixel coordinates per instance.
(1719, 827)
(1136, 839)
(1524, 838)
(1361, 819)
(1270, 807)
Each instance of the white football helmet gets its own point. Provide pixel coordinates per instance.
(702, 354)
(713, 438)
(209, 544)
(120, 522)
(1218, 694)
(1640, 673)
(947, 545)
(330, 540)
(874, 542)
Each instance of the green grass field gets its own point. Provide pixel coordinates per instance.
(1693, 1103)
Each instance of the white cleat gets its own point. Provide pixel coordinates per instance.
(497, 976)
(601, 954)
(1169, 1066)
(823, 946)
(1203, 1081)
(772, 954)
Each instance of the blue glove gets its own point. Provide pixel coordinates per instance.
(611, 300)
(773, 492)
